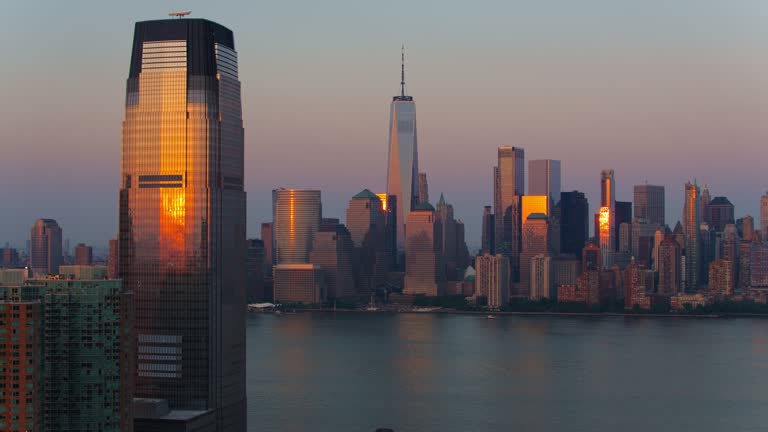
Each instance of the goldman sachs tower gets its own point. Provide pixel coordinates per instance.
(182, 225)
(403, 164)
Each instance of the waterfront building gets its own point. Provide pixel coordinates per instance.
(572, 293)
(687, 301)
(541, 277)
(758, 260)
(509, 187)
(544, 179)
(83, 254)
(267, 236)
(182, 219)
(366, 222)
(254, 270)
(492, 279)
(487, 240)
(764, 216)
(45, 248)
(297, 215)
(721, 277)
(299, 283)
(691, 223)
(649, 203)
(574, 222)
(634, 288)
(535, 242)
(403, 158)
(670, 267)
(332, 251)
(424, 268)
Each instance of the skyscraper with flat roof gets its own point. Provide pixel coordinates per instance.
(83, 254)
(487, 239)
(403, 163)
(607, 217)
(509, 187)
(332, 251)
(182, 218)
(45, 247)
(492, 279)
(366, 222)
(424, 269)
(691, 236)
(649, 203)
(297, 214)
(764, 216)
(574, 222)
(544, 179)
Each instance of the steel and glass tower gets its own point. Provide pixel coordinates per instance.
(182, 218)
(691, 226)
(403, 164)
(607, 217)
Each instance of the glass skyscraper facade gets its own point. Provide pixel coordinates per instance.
(403, 158)
(182, 217)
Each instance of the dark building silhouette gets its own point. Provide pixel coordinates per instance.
(719, 213)
(487, 241)
(623, 215)
(574, 222)
(254, 270)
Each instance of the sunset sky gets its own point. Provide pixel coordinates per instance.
(659, 90)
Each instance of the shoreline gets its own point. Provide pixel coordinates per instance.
(521, 313)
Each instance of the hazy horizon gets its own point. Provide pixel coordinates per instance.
(663, 91)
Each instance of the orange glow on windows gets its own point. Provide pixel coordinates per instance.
(605, 221)
(383, 198)
(535, 204)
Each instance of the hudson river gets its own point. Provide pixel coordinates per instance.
(351, 372)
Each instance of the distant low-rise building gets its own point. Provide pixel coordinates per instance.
(683, 301)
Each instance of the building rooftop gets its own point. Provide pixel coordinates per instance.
(423, 207)
(365, 194)
(720, 201)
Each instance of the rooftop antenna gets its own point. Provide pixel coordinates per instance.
(179, 14)
(402, 71)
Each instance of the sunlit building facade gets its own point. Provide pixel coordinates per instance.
(45, 247)
(403, 159)
(691, 226)
(607, 217)
(296, 219)
(182, 218)
(424, 268)
(544, 179)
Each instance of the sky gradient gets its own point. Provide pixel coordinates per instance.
(660, 90)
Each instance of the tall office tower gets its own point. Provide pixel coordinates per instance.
(403, 158)
(492, 279)
(113, 262)
(590, 258)
(254, 270)
(541, 277)
(623, 214)
(691, 222)
(509, 187)
(82, 354)
(764, 216)
(9, 257)
(182, 218)
(574, 222)
(747, 224)
(487, 241)
(453, 248)
(607, 217)
(296, 218)
(366, 222)
(708, 249)
(625, 238)
(649, 203)
(45, 253)
(332, 251)
(720, 213)
(670, 267)
(423, 188)
(544, 179)
(643, 237)
(721, 277)
(424, 268)
(268, 237)
(394, 261)
(535, 242)
(743, 273)
(83, 254)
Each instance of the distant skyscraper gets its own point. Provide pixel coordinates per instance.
(254, 270)
(423, 188)
(332, 250)
(9, 257)
(403, 164)
(535, 242)
(649, 203)
(492, 279)
(574, 222)
(45, 253)
(509, 187)
(541, 277)
(720, 212)
(622, 215)
(83, 254)
(366, 222)
(764, 216)
(747, 224)
(424, 268)
(544, 179)
(268, 237)
(297, 215)
(607, 217)
(182, 219)
(113, 262)
(487, 240)
(691, 223)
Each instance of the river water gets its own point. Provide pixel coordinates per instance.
(426, 372)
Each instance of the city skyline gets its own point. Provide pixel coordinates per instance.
(725, 110)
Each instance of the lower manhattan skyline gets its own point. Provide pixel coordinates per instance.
(678, 91)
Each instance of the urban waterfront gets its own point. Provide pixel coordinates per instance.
(430, 372)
